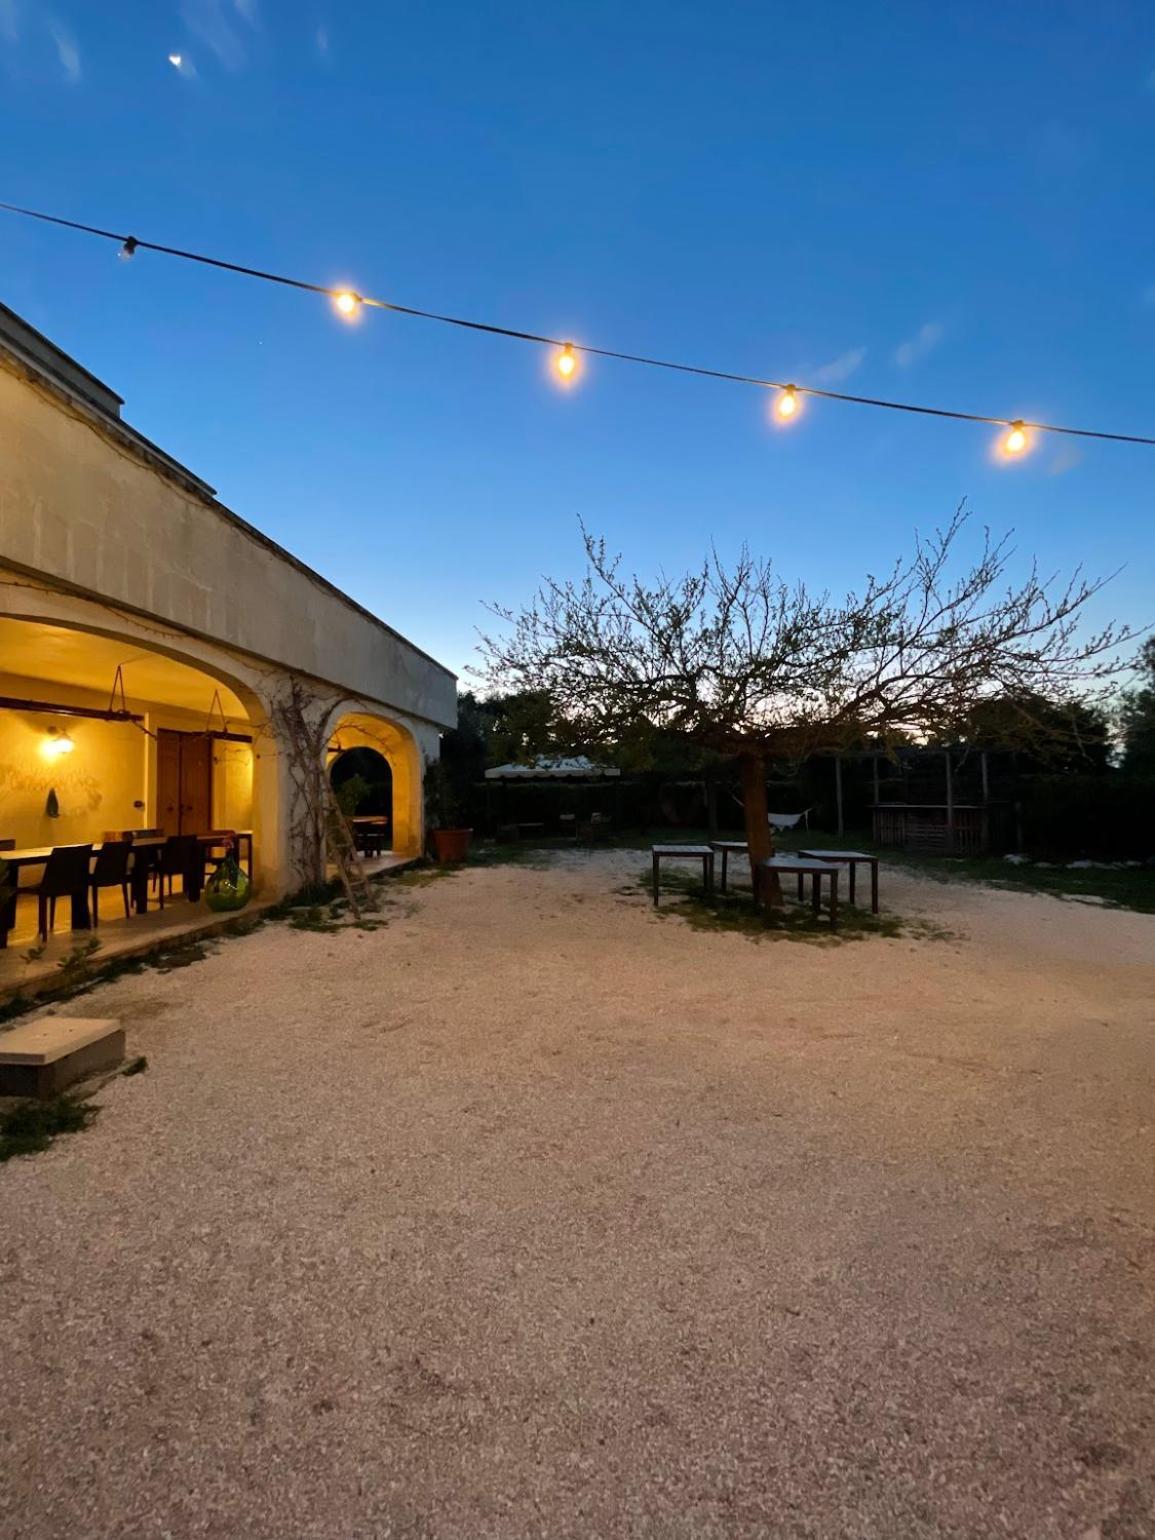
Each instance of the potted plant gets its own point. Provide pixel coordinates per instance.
(449, 839)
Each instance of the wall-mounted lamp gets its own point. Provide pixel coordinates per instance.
(57, 743)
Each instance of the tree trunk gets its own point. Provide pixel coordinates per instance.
(758, 835)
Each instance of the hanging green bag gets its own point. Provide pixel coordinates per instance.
(228, 887)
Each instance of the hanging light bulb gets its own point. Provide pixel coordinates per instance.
(347, 303)
(128, 250)
(566, 362)
(788, 403)
(1016, 440)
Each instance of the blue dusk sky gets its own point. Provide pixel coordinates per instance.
(946, 203)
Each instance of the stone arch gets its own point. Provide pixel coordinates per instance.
(364, 727)
(374, 770)
(36, 604)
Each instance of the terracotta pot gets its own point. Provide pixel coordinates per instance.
(451, 844)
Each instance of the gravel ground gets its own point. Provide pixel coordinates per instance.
(536, 1214)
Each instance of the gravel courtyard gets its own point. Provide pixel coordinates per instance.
(538, 1214)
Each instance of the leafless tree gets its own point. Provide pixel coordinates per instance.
(739, 661)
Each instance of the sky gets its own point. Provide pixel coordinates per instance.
(950, 204)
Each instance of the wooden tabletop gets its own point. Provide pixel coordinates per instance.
(839, 855)
(36, 855)
(792, 864)
(681, 850)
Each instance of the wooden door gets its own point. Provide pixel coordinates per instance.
(168, 796)
(196, 784)
(184, 782)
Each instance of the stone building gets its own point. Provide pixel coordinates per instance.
(165, 665)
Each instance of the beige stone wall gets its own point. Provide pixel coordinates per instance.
(81, 505)
(98, 533)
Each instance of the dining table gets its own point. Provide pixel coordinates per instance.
(37, 855)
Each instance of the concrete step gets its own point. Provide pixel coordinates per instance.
(42, 1057)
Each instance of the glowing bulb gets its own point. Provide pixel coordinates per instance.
(58, 743)
(347, 303)
(566, 362)
(788, 403)
(1016, 440)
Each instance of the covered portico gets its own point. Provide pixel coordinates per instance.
(158, 653)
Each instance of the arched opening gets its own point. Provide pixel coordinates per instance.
(125, 737)
(357, 741)
(103, 736)
(363, 783)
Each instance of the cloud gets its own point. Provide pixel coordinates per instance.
(924, 341)
(219, 25)
(66, 50)
(183, 65)
(9, 21)
(838, 369)
(1065, 458)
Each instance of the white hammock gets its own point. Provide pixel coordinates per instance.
(790, 820)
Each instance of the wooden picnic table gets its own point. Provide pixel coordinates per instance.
(702, 853)
(816, 871)
(851, 859)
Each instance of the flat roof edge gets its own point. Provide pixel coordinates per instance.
(157, 460)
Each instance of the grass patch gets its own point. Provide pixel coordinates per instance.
(422, 876)
(534, 853)
(315, 918)
(735, 911)
(33, 1125)
(1117, 887)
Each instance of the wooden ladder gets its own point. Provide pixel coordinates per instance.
(341, 849)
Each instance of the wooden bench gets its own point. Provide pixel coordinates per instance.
(40, 1058)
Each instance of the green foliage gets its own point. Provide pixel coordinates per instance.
(1047, 736)
(1137, 716)
(351, 794)
(73, 966)
(33, 1125)
(441, 796)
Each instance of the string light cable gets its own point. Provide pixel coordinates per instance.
(788, 397)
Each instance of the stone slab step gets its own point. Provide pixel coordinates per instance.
(41, 1058)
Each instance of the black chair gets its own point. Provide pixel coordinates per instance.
(65, 876)
(180, 856)
(111, 871)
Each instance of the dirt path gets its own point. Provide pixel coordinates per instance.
(536, 1214)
